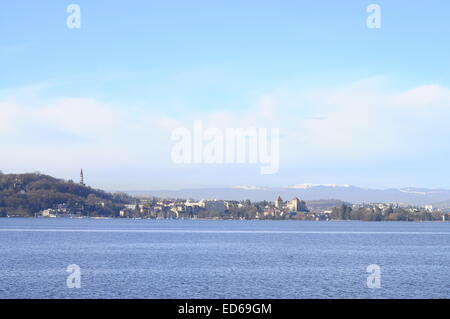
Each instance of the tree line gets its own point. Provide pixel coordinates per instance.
(390, 213)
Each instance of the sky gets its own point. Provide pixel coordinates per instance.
(354, 105)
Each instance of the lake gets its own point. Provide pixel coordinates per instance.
(121, 258)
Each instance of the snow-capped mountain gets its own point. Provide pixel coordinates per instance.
(348, 193)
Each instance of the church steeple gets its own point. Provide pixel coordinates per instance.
(278, 202)
(81, 178)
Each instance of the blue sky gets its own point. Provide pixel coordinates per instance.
(106, 96)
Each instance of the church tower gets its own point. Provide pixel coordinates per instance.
(278, 202)
(82, 178)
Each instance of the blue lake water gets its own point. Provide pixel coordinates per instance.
(222, 259)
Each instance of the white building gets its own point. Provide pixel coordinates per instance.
(297, 205)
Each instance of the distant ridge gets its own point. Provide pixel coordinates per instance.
(347, 193)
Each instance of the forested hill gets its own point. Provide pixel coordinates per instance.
(28, 194)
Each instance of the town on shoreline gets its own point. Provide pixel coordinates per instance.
(295, 209)
(38, 195)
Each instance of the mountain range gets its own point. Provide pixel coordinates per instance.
(348, 193)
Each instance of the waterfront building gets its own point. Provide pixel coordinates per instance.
(297, 205)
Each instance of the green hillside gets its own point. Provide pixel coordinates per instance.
(29, 194)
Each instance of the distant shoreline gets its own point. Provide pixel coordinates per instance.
(227, 219)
